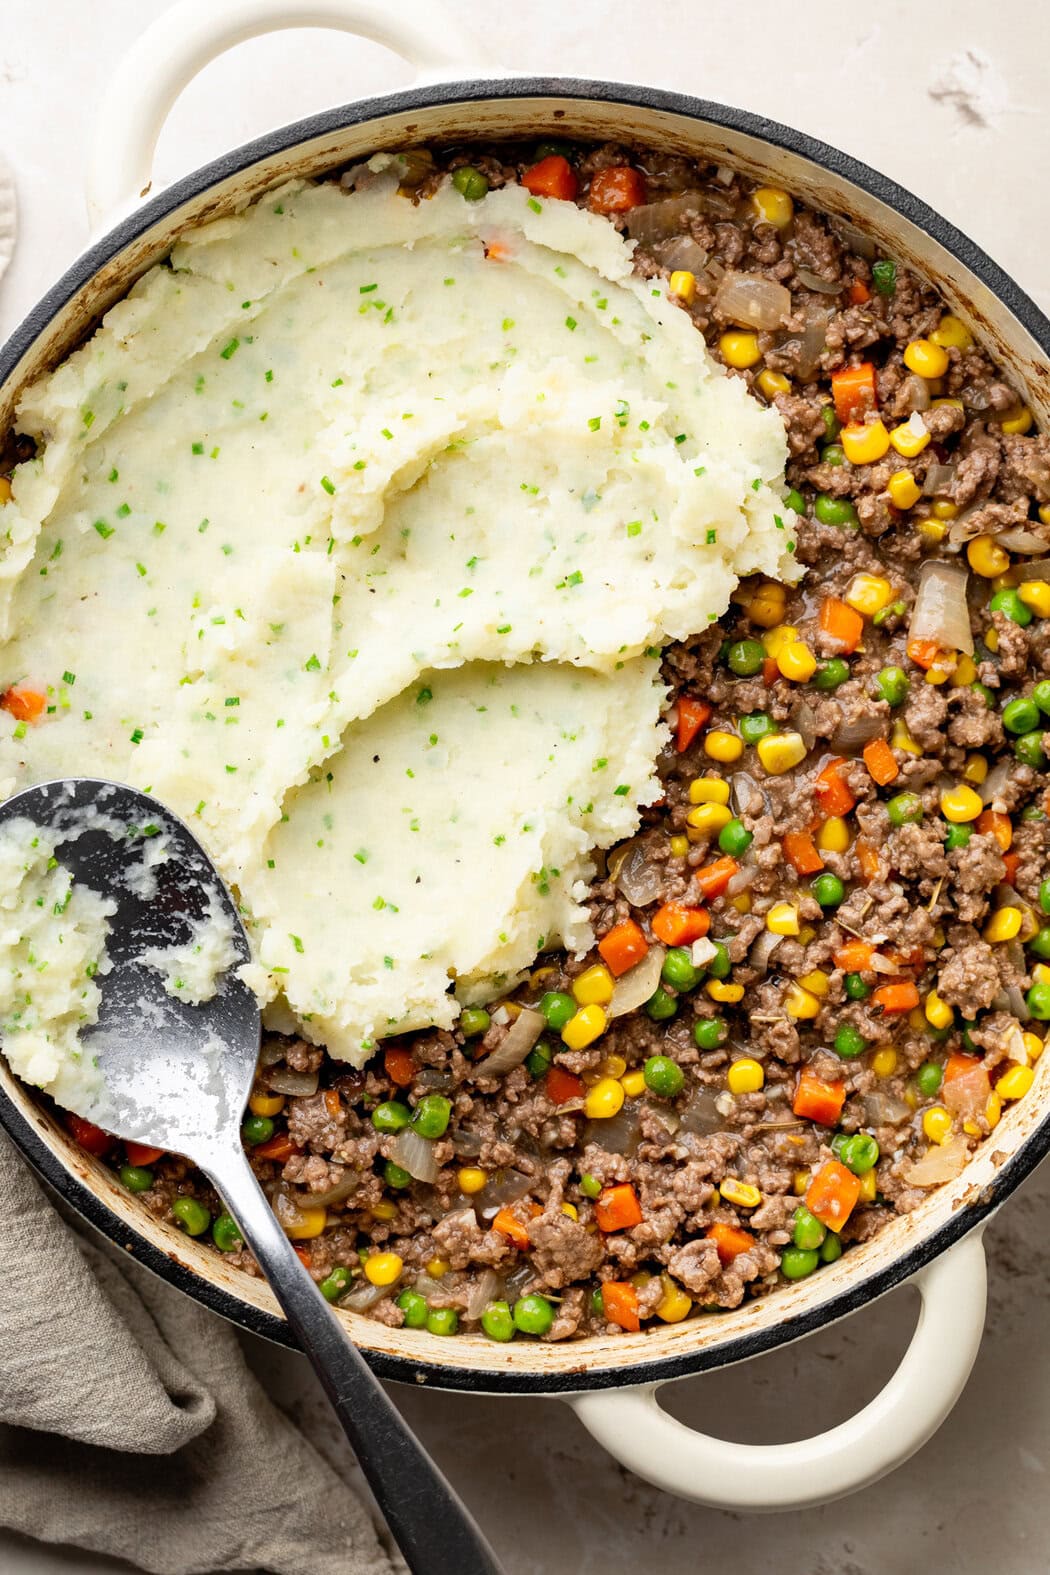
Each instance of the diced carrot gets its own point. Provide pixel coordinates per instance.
(24, 704)
(616, 190)
(399, 1065)
(142, 1154)
(278, 1148)
(770, 671)
(854, 956)
(958, 1065)
(801, 851)
(692, 716)
(730, 1241)
(833, 791)
(896, 998)
(841, 623)
(332, 1103)
(832, 1194)
(859, 293)
(923, 652)
(551, 177)
(676, 924)
(620, 1303)
(90, 1137)
(714, 878)
(617, 1208)
(853, 390)
(510, 1226)
(991, 823)
(622, 947)
(497, 251)
(563, 1086)
(817, 1100)
(881, 761)
(1012, 861)
(868, 859)
(304, 1255)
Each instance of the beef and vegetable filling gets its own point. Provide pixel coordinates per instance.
(823, 964)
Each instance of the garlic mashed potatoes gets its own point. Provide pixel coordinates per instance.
(354, 534)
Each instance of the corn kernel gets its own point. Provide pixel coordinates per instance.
(437, 1268)
(817, 982)
(683, 285)
(800, 1183)
(993, 1109)
(742, 904)
(612, 1066)
(903, 489)
(943, 510)
(1033, 1045)
(583, 1029)
(766, 607)
(739, 350)
(772, 206)
(745, 1076)
(775, 640)
(911, 1097)
(675, 1304)
(916, 1019)
(952, 333)
(782, 918)
(932, 531)
(965, 671)
(806, 934)
(833, 836)
(986, 557)
(780, 751)
(570, 1210)
(938, 1013)
(1004, 925)
(799, 1003)
(884, 1062)
(593, 987)
(723, 747)
(868, 1187)
(385, 1209)
(868, 594)
(960, 804)
(471, 1179)
(950, 404)
(709, 819)
(925, 358)
(936, 1123)
(1036, 595)
(261, 1104)
(797, 662)
(773, 383)
(863, 445)
(1044, 513)
(6, 490)
(383, 1268)
(679, 846)
(604, 1100)
(907, 441)
(975, 769)
(1017, 421)
(991, 639)
(900, 738)
(1041, 974)
(1015, 1082)
(633, 1084)
(310, 1224)
(708, 790)
(740, 1193)
(722, 990)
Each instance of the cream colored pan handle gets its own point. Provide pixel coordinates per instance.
(630, 1424)
(182, 41)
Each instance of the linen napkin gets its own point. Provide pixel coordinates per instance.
(131, 1426)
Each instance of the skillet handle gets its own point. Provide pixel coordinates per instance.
(182, 41)
(760, 1477)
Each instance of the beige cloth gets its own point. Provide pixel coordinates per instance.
(130, 1424)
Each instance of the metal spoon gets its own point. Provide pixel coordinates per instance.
(177, 1076)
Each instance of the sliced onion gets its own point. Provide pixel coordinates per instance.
(884, 1110)
(744, 877)
(1021, 540)
(287, 1209)
(966, 1096)
(656, 221)
(813, 281)
(415, 1154)
(994, 783)
(298, 1084)
(436, 1080)
(806, 724)
(763, 949)
(521, 1036)
(724, 175)
(468, 1145)
(271, 1052)
(366, 1295)
(850, 737)
(965, 526)
(855, 239)
(916, 391)
(506, 1186)
(742, 790)
(1016, 1003)
(634, 988)
(1034, 569)
(485, 1289)
(634, 873)
(940, 612)
(941, 1162)
(681, 251)
(335, 1193)
(939, 478)
(881, 964)
(811, 344)
(620, 1134)
(753, 301)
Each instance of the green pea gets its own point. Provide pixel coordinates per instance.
(553, 149)
(759, 724)
(745, 658)
(597, 1302)
(929, 1078)
(1029, 751)
(660, 1005)
(831, 1249)
(720, 965)
(833, 454)
(136, 1178)
(794, 500)
(1032, 812)
(1021, 715)
(884, 614)
(432, 1116)
(957, 836)
(533, 1314)
(893, 685)
(414, 1306)
(1041, 696)
(590, 1186)
(1040, 944)
(985, 693)
(335, 1284)
(830, 674)
(849, 1042)
(557, 1008)
(225, 1233)
(539, 1058)
(678, 970)
(497, 1323)
(832, 425)
(884, 276)
(828, 890)
(442, 1320)
(967, 1040)
(734, 838)
(396, 1175)
(834, 511)
(256, 1130)
(708, 1032)
(904, 809)
(1044, 895)
(470, 183)
(1007, 601)
(474, 1020)
(391, 1116)
(663, 1076)
(860, 1153)
(796, 1264)
(809, 1232)
(1038, 1002)
(191, 1215)
(856, 989)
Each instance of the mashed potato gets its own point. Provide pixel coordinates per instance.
(358, 527)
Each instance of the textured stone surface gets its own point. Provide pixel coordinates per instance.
(958, 115)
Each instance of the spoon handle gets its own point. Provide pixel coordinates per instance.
(433, 1528)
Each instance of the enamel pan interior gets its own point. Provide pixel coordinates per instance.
(1018, 337)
